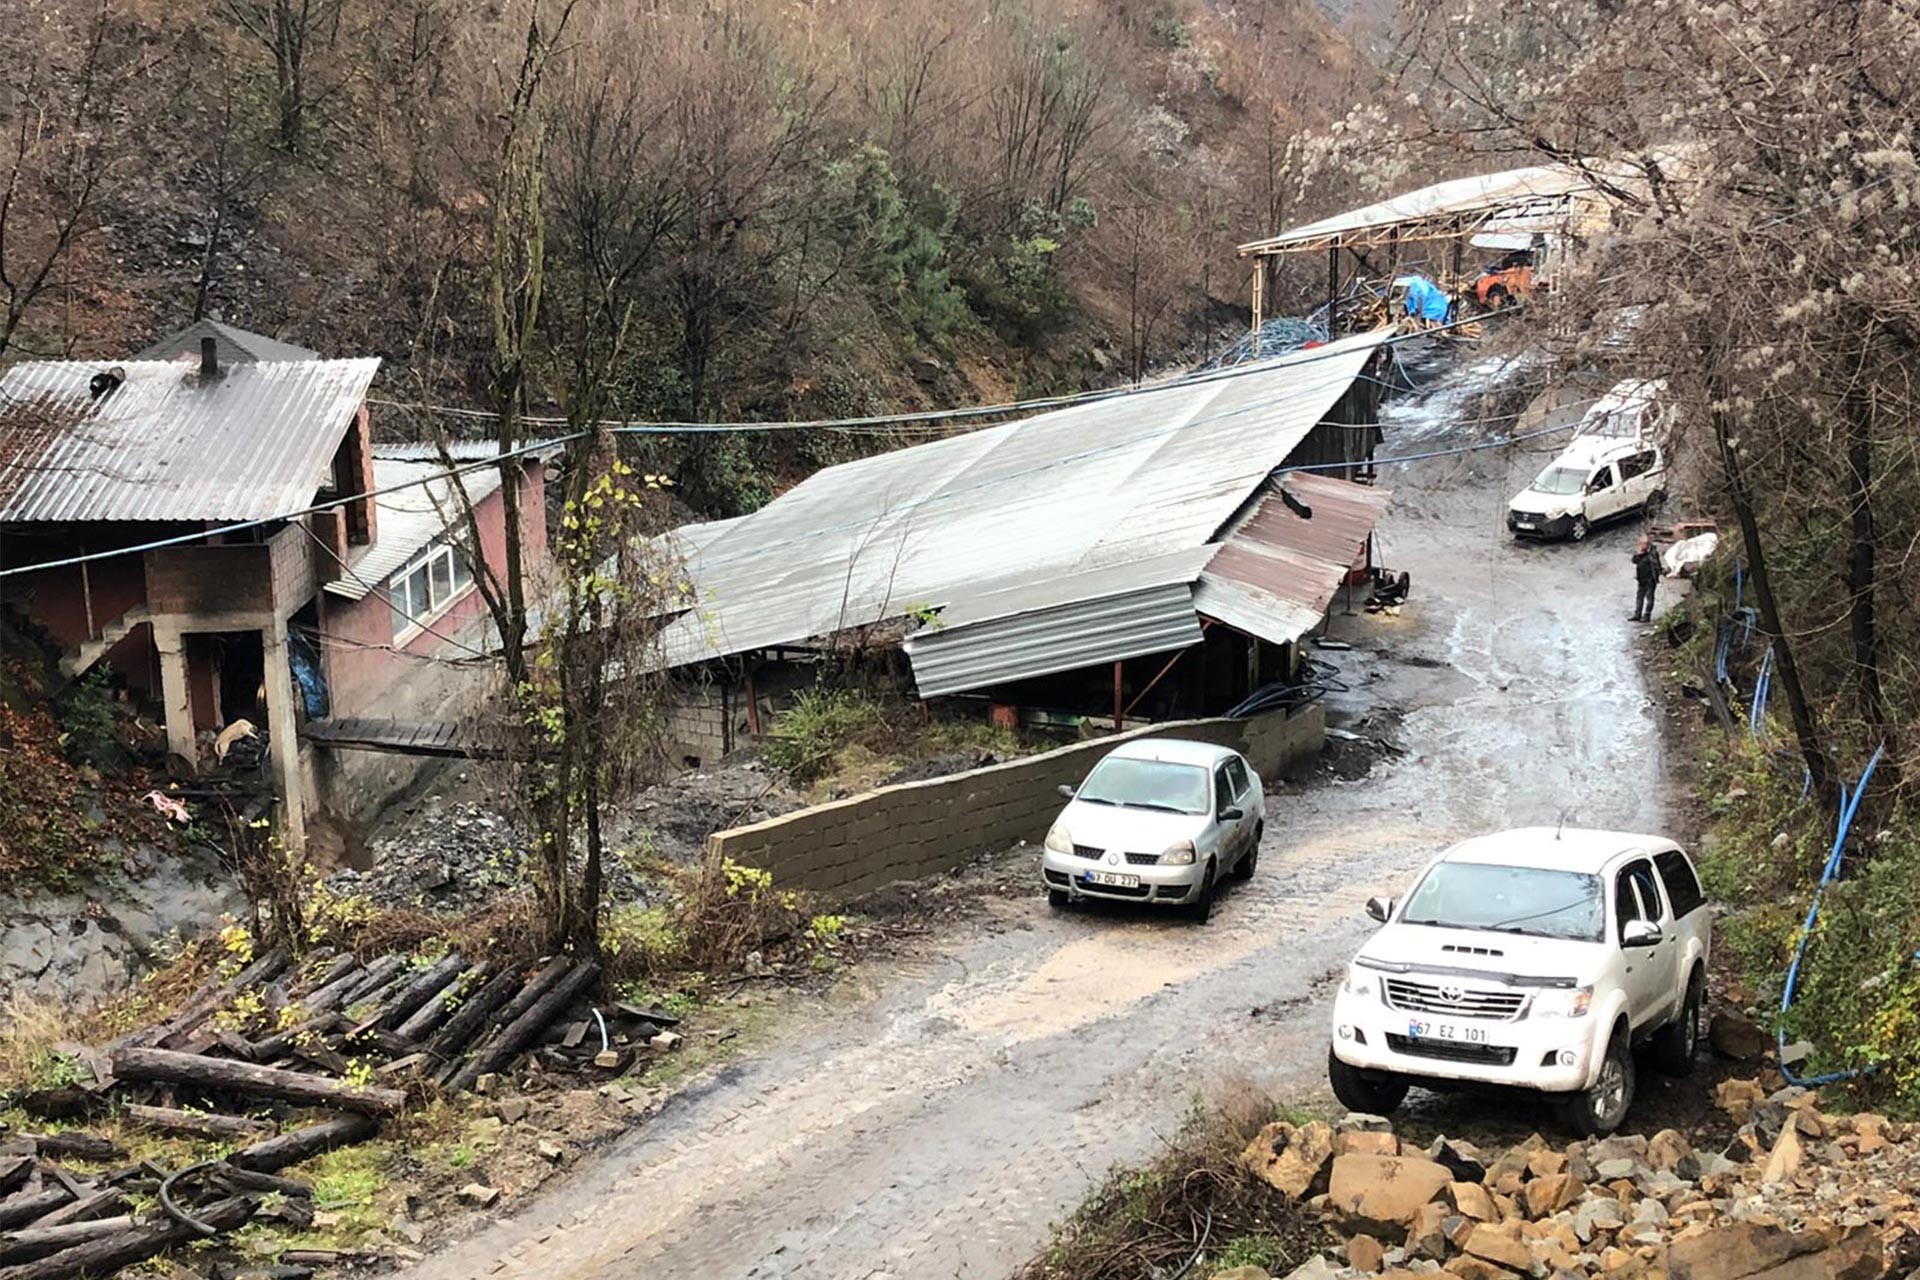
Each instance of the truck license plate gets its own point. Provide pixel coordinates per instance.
(1418, 1030)
(1112, 880)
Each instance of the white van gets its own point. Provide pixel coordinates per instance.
(1632, 409)
(1595, 479)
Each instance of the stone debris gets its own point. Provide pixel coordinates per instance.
(1799, 1194)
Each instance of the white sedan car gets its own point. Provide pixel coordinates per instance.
(1157, 821)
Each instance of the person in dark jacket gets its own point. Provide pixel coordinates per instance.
(1646, 572)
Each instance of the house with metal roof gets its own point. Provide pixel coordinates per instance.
(210, 526)
(1143, 556)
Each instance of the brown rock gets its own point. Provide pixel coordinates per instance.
(1667, 1150)
(1364, 1253)
(1292, 1160)
(1381, 1194)
(1243, 1273)
(1869, 1133)
(1546, 1162)
(1549, 1195)
(1361, 1142)
(1860, 1254)
(1732, 1250)
(1468, 1267)
(1737, 1037)
(1459, 1229)
(1427, 1232)
(1498, 1248)
(1738, 1097)
(476, 1193)
(1470, 1200)
(1784, 1160)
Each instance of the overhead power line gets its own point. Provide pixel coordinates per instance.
(1311, 356)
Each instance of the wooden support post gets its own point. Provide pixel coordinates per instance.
(1333, 284)
(1119, 710)
(1259, 300)
(283, 743)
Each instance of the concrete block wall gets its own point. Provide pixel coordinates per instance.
(849, 847)
(698, 731)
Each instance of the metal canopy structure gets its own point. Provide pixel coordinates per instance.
(1070, 539)
(1516, 200)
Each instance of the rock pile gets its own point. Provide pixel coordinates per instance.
(1798, 1195)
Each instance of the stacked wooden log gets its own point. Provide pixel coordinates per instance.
(283, 1062)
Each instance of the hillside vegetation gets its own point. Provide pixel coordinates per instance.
(794, 210)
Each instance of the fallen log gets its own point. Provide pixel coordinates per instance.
(29, 1243)
(99, 1204)
(277, 1044)
(303, 1144)
(209, 999)
(63, 1103)
(76, 1146)
(331, 993)
(372, 978)
(212, 1125)
(437, 1008)
(473, 1016)
(14, 1172)
(507, 1044)
(422, 989)
(105, 1256)
(164, 1065)
(248, 1180)
(21, 1210)
(536, 989)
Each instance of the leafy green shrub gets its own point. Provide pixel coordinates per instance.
(818, 724)
(89, 729)
(1170, 29)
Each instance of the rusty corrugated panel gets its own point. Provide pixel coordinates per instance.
(166, 445)
(1277, 571)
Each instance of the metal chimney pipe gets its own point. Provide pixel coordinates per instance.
(209, 357)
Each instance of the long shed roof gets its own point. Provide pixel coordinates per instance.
(1023, 535)
(166, 444)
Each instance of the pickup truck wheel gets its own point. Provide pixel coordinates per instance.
(1201, 908)
(1675, 1043)
(1598, 1111)
(1357, 1091)
(1580, 529)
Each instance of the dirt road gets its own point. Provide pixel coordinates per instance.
(936, 1127)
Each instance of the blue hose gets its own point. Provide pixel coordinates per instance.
(1849, 803)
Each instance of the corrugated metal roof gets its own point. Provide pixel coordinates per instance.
(1277, 571)
(162, 446)
(458, 450)
(406, 521)
(937, 526)
(1513, 195)
(1089, 633)
(233, 345)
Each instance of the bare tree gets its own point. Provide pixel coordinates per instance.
(289, 31)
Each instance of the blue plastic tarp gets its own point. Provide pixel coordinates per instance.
(1425, 299)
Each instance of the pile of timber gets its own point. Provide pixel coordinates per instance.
(287, 1061)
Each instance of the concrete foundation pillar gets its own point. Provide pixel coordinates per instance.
(173, 693)
(283, 737)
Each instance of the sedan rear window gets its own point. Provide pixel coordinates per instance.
(1527, 900)
(1147, 784)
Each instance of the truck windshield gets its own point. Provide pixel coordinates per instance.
(1146, 784)
(1560, 481)
(1529, 900)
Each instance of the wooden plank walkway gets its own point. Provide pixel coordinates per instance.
(398, 737)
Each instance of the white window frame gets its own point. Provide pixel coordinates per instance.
(440, 557)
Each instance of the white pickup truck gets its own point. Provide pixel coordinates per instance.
(1535, 958)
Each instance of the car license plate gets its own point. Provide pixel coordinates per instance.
(1418, 1030)
(1111, 879)
(1524, 524)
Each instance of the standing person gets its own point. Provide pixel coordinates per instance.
(1646, 572)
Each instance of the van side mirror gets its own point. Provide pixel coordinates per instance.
(1380, 909)
(1066, 791)
(1641, 933)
